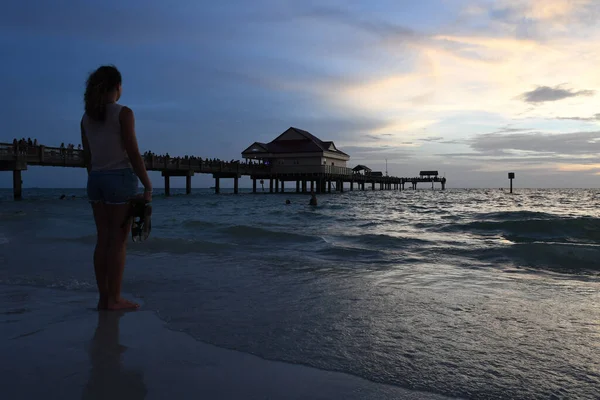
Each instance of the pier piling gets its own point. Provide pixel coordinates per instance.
(167, 185)
(17, 185)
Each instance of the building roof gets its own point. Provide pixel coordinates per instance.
(306, 143)
(360, 167)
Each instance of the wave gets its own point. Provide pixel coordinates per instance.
(381, 241)
(314, 213)
(557, 256)
(50, 283)
(334, 206)
(254, 233)
(343, 250)
(515, 215)
(582, 229)
(156, 245)
(218, 240)
(86, 239)
(198, 224)
(554, 256)
(371, 224)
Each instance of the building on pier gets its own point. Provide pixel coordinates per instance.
(428, 174)
(361, 168)
(297, 150)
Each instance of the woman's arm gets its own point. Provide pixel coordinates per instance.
(131, 146)
(87, 155)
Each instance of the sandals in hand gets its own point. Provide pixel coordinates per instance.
(141, 219)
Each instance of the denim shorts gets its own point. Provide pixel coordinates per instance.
(116, 186)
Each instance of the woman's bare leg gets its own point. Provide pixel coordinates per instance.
(100, 266)
(118, 233)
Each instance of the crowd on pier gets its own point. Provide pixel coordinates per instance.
(206, 162)
(31, 146)
(28, 146)
(22, 146)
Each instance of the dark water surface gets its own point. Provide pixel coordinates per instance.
(469, 293)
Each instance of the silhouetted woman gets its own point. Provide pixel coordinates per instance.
(114, 164)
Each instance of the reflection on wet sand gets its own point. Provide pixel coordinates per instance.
(108, 378)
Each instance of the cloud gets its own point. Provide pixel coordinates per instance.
(545, 93)
(432, 139)
(551, 162)
(595, 117)
(366, 153)
(534, 10)
(540, 19)
(575, 143)
(373, 137)
(579, 167)
(371, 25)
(507, 129)
(540, 153)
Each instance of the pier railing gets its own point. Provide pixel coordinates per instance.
(16, 158)
(311, 169)
(58, 156)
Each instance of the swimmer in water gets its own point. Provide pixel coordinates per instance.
(313, 199)
(288, 201)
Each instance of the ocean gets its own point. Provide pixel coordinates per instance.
(470, 293)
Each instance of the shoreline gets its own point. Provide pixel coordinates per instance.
(55, 345)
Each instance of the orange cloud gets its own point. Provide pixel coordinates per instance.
(578, 167)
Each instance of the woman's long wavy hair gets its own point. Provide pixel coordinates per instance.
(98, 85)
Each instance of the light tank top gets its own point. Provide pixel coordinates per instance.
(105, 140)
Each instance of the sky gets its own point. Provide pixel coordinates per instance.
(471, 88)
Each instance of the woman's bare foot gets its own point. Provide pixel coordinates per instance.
(122, 304)
(102, 303)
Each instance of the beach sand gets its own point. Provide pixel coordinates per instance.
(54, 345)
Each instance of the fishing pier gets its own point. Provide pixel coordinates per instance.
(296, 163)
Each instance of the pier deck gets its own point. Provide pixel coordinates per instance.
(321, 178)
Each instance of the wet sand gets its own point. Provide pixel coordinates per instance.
(54, 345)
